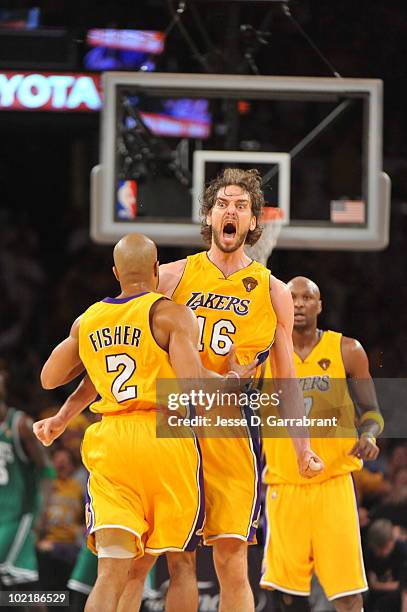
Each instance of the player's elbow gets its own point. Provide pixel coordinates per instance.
(47, 380)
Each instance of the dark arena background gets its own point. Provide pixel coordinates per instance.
(73, 135)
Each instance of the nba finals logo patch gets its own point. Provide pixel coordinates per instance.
(324, 363)
(249, 283)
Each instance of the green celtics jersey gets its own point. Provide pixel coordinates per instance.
(19, 491)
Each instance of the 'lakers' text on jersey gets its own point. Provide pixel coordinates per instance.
(322, 378)
(116, 346)
(231, 310)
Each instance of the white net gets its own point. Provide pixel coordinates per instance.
(272, 222)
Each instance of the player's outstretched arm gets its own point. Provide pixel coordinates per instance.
(363, 394)
(64, 363)
(283, 369)
(48, 430)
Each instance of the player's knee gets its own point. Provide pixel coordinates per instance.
(113, 572)
(290, 603)
(231, 559)
(181, 566)
(140, 568)
(350, 603)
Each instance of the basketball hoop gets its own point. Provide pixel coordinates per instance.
(272, 219)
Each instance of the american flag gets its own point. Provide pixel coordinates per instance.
(347, 211)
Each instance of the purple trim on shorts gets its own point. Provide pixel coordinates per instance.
(123, 300)
(89, 510)
(265, 529)
(354, 489)
(256, 442)
(196, 537)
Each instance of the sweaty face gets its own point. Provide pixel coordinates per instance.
(307, 303)
(231, 218)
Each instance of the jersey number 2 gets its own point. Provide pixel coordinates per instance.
(127, 366)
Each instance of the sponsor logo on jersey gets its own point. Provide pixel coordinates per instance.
(216, 301)
(249, 283)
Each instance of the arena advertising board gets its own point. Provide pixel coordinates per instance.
(82, 92)
(46, 91)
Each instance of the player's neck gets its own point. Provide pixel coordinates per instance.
(135, 288)
(228, 262)
(306, 338)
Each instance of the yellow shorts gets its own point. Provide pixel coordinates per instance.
(232, 476)
(151, 487)
(313, 527)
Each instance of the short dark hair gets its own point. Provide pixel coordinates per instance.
(250, 181)
(379, 534)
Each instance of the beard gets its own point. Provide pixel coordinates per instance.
(239, 240)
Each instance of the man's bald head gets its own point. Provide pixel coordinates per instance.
(307, 302)
(135, 260)
(302, 282)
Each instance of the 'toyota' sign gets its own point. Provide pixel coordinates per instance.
(49, 91)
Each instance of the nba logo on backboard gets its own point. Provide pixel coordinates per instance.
(126, 201)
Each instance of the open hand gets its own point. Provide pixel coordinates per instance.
(365, 448)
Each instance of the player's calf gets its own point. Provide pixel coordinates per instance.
(110, 583)
(350, 603)
(133, 590)
(182, 593)
(230, 559)
(290, 603)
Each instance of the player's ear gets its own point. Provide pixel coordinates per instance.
(116, 275)
(319, 306)
(209, 217)
(156, 266)
(253, 223)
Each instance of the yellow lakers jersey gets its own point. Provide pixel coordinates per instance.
(322, 378)
(120, 354)
(234, 309)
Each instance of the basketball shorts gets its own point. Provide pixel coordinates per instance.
(151, 487)
(232, 475)
(18, 561)
(313, 528)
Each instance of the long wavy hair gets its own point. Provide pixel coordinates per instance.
(249, 181)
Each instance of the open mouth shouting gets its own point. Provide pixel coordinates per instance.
(229, 231)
